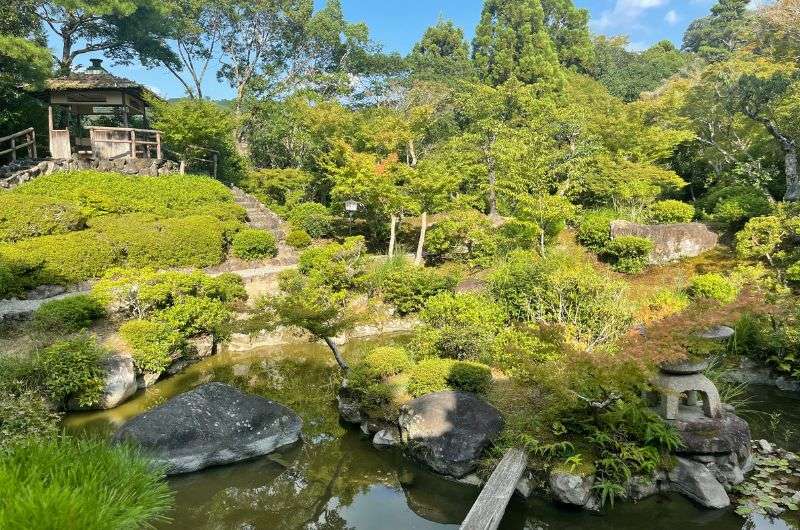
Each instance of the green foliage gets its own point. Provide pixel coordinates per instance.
(387, 361)
(68, 315)
(25, 410)
(409, 287)
(298, 239)
(252, 244)
(279, 189)
(22, 217)
(732, 206)
(712, 286)
(437, 375)
(442, 54)
(70, 483)
(717, 35)
(519, 235)
(771, 340)
(670, 211)
(194, 315)
(629, 254)
(72, 370)
(561, 290)
(594, 228)
(312, 217)
(337, 265)
(465, 237)
(459, 326)
(153, 344)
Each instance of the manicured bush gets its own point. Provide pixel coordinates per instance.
(68, 315)
(192, 315)
(298, 238)
(670, 211)
(428, 376)
(629, 254)
(252, 244)
(88, 484)
(409, 287)
(22, 217)
(732, 206)
(594, 228)
(388, 360)
(72, 369)
(460, 326)
(312, 217)
(465, 236)
(470, 377)
(712, 286)
(564, 291)
(519, 235)
(337, 265)
(152, 343)
(25, 411)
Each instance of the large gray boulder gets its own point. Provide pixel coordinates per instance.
(694, 480)
(448, 431)
(119, 384)
(672, 241)
(702, 435)
(212, 425)
(571, 488)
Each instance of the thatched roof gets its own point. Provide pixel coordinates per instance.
(81, 81)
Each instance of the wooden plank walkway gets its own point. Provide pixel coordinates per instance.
(488, 510)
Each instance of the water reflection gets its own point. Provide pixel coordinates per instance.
(336, 480)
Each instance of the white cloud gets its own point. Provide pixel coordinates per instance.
(626, 12)
(672, 17)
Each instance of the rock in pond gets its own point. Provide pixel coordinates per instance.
(571, 488)
(694, 480)
(727, 435)
(448, 431)
(212, 425)
(119, 381)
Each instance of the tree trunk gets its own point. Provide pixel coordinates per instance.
(792, 178)
(65, 64)
(392, 236)
(491, 173)
(337, 354)
(412, 151)
(422, 229)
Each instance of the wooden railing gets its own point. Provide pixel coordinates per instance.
(213, 158)
(121, 142)
(28, 141)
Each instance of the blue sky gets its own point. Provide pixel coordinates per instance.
(399, 24)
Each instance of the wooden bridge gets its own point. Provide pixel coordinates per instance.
(489, 508)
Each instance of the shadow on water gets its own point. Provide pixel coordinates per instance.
(336, 480)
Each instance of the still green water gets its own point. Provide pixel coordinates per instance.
(337, 480)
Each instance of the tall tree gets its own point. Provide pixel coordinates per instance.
(115, 28)
(23, 22)
(568, 27)
(442, 54)
(511, 41)
(720, 33)
(22, 64)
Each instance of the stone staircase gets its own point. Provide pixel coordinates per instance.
(258, 215)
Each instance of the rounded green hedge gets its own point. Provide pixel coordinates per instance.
(670, 211)
(712, 286)
(437, 375)
(594, 228)
(298, 239)
(388, 360)
(252, 244)
(68, 315)
(628, 254)
(23, 217)
(312, 217)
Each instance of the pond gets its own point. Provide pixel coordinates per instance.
(336, 479)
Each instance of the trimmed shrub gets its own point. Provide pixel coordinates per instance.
(252, 244)
(192, 315)
(88, 484)
(470, 377)
(337, 265)
(465, 236)
(519, 235)
(312, 217)
(152, 344)
(409, 287)
(387, 361)
(460, 326)
(68, 315)
(428, 376)
(732, 206)
(24, 409)
(670, 211)
(712, 286)
(594, 228)
(24, 217)
(298, 239)
(629, 254)
(72, 369)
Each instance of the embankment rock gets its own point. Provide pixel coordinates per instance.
(672, 241)
(211, 425)
(448, 431)
(571, 488)
(695, 481)
(119, 384)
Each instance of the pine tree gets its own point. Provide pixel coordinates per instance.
(714, 37)
(511, 41)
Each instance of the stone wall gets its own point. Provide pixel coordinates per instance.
(16, 173)
(672, 241)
